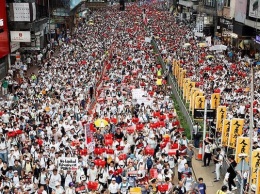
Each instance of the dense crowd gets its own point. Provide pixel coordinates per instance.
(104, 100)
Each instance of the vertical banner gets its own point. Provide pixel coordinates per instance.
(191, 85)
(221, 115)
(193, 90)
(183, 75)
(177, 71)
(186, 83)
(4, 33)
(200, 102)
(225, 132)
(258, 181)
(215, 100)
(179, 76)
(90, 143)
(243, 147)
(195, 94)
(255, 165)
(236, 130)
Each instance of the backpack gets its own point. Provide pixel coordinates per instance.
(149, 162)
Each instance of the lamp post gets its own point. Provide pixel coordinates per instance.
(251, 123)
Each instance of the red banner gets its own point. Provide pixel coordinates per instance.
(4, 41)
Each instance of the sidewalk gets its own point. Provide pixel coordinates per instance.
(206, 174)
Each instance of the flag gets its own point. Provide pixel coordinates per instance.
(243, 147)
(236, 130)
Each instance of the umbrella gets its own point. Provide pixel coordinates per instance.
(203, 44)
(100, 123)
(210, 57)
(186, 45)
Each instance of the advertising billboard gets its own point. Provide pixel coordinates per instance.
(4, 42)
(20, 36)
(254, 9)
(240, 10)
(74, 3)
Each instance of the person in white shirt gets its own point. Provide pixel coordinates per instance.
(113, 188)
(55, 178)
(41, 190)
(58, 189)
(92, 173)
(70, 189)
(181, 162)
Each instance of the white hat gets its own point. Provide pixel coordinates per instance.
(57, 184)
(113, 179)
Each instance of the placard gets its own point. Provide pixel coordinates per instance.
(254, 9)
(67, 163)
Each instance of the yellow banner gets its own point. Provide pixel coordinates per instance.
(200, 102)
(221, 115)
(225, 132)
(258, 182)
(188, 90)
(215, 100)
(193, 90)
(183, 75)
(236, 130)
(179, 76)
(177, 71)
(243, 147)
(195, 94)
(255, 164)
(186, 82)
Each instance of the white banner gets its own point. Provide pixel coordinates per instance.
(240, 10)
(254, 9)
(67, 163)
(139, 96)
(14, 46)
(21, 12)
(20, 36)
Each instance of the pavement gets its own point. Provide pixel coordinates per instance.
(206, 174)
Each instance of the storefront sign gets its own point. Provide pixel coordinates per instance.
(254, 9)
(14, 46)
(4, 40)
(186, 3)
(29, 48)
(20, 36)
(23, 12)
(68, 163)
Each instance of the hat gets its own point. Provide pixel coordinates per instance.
(27, 159)
(124, 178)
(15, 171)
(113, 179)
(57, 184)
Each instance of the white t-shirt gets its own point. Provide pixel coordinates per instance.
(181, 164)
(113, 188)
(54, 179)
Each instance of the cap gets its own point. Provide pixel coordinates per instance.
(113, 179)
(57, 184)
(124, 178)
(27, 159)
(15, 171)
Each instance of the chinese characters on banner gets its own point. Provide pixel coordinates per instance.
(200, 102)
(225, 132)
(195, 94)
(190, 85)
(255, 165)
(193, 90)
(179, 76)
(236, 130)
(243, 147)
(90, 143)
(221, 115)
(215, 100)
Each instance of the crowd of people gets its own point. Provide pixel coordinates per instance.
(103, 99)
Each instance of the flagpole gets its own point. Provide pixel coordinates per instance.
(204, 126)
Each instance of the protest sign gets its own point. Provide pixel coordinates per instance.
(67, 163)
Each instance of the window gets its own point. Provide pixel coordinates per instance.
(226, 3)
(210, 3)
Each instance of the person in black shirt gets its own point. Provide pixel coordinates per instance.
(232, 172)
(119, 134)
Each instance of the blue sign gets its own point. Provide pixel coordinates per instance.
(74, 3)
(257, 39)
